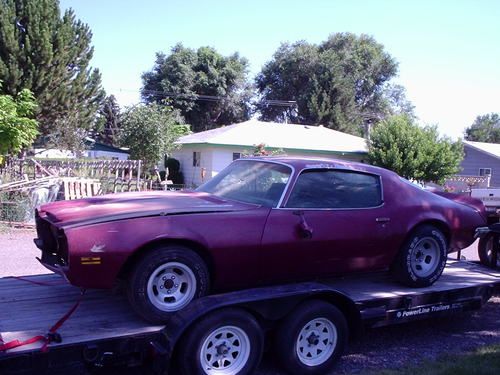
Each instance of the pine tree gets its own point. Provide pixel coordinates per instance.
(50, 55)
(108, 123)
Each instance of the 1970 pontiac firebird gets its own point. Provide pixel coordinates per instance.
(259, 221)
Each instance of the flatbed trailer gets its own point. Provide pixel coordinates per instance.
(104, 332)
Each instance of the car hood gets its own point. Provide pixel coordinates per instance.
(132, 205)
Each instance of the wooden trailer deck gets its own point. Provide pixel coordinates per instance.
(28, 309)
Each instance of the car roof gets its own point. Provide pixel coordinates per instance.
(299, 163)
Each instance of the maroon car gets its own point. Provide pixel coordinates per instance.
(259, 221)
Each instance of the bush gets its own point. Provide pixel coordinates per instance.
(174, 173)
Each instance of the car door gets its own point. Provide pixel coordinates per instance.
(334, 221)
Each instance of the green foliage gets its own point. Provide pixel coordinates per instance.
(18, 129)
(416, 153)
(485, 128)
(338, 83)
(150, 132)
(49, 54)
(108, 122)
(260, 150)
(483, 361)
(207, 88)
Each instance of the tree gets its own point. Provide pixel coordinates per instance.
(50, 55)
(207, 88)
(338, 83)
(150, 132)
(108, 123)
(485, 128)
(413, 152)
(18, 129)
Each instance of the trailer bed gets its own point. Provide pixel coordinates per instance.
(31, 305)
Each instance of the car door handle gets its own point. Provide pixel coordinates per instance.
(383, 219)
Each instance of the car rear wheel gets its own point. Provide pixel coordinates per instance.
(225, 342)
(311, 339)
(422, 258)
(485, 250)
(165, 280)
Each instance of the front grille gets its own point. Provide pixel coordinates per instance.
(51, 241)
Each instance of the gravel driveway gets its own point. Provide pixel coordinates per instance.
(390, 347)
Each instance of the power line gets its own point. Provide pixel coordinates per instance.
(213, 98)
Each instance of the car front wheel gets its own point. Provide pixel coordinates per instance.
(165, 280)
(422, 258)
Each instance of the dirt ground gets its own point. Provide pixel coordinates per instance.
(390, 347)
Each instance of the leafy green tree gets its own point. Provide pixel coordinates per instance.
(18, 129)
(108, 122)
(207, 88)
(150, 131)
(485, 128)
(338, 83)
(50, 54)
(397, 102)
(413, 152)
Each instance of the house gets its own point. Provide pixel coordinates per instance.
(482, 159)
(205, 154)
(94, 150)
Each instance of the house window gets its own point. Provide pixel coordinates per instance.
(236, 155)
(196, 158)
(485, 172)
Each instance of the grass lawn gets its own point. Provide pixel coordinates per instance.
(484, 361)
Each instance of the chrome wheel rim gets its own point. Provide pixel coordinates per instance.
(316, 342)
(424, 257)
(171, 286)
(225, 351)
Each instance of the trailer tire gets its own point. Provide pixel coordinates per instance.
(165, 280)
(311, 339)
(422, 258)
(227, 341)
(485, 250)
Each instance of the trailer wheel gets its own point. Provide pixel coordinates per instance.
(225, 342)
(311, 339)
(485, 250)
(422, 258)
(165, 280)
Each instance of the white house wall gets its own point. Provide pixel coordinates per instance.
(215, 159)
(192, 175)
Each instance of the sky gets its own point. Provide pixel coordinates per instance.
(448, 50)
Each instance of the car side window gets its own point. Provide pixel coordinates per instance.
(335, 189)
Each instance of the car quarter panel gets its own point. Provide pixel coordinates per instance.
(231, 239)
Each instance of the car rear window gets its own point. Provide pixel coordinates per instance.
(335, 189)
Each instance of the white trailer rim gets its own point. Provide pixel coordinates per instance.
(316, 342)
(225, 351)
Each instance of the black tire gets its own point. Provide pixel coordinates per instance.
(484, 250)
(179, 263)
(287, 345)
(242, 354)
(412, 267)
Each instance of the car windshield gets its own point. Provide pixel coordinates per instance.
(250, 181)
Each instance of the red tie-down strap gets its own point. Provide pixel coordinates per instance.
(51, 336)
(41, 283)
